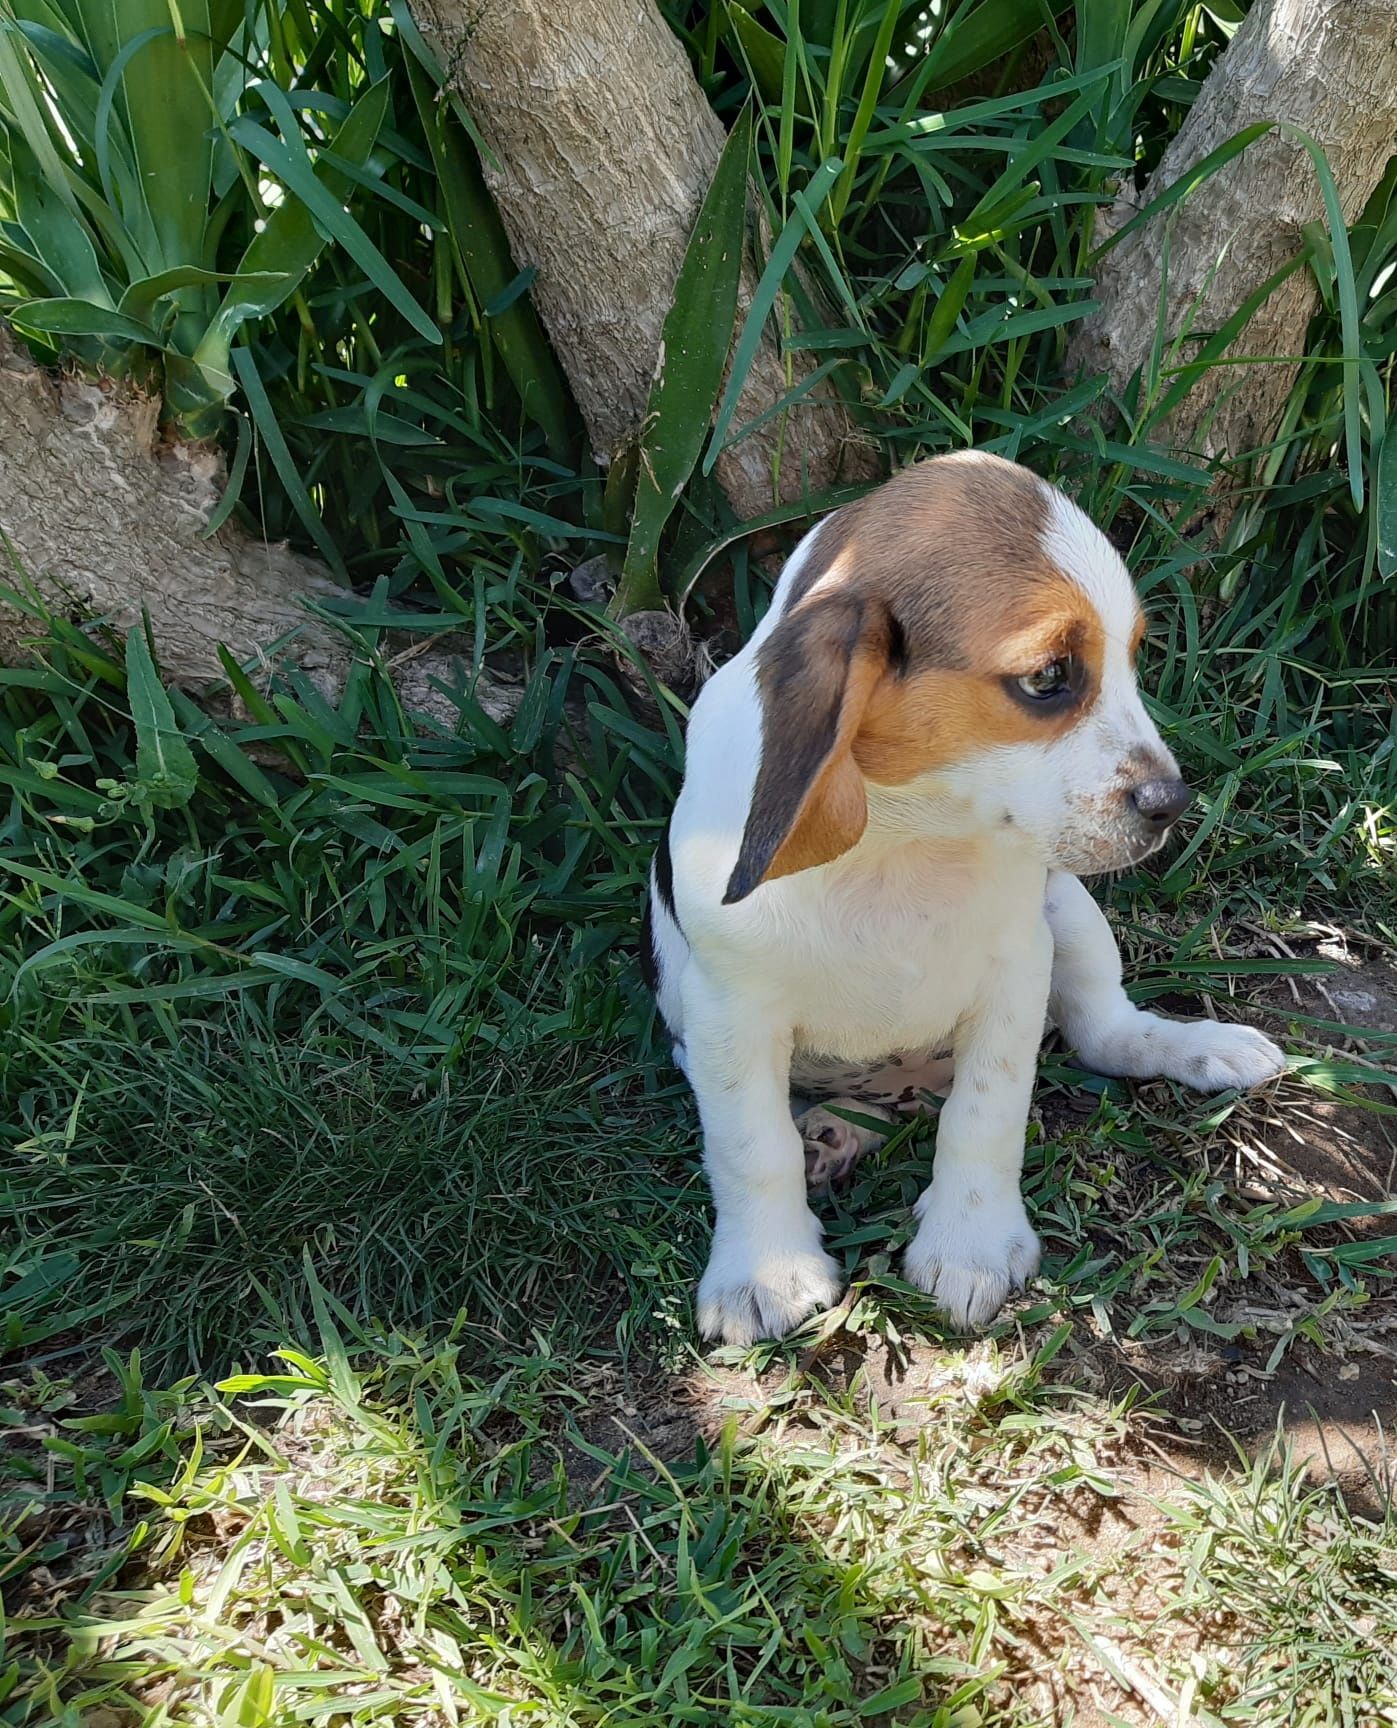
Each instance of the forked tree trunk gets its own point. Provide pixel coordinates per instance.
(600, 147)
(1328, 67)
(104, 519)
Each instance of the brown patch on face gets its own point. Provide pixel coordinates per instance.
(891, 656)
(928, 720)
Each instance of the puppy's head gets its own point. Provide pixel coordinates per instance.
(959, 645)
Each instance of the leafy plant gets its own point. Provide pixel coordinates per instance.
(124, 173)
(326, 1068)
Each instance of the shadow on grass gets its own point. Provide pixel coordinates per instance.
(168, 1196)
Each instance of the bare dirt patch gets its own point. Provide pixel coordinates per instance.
(1361, 992)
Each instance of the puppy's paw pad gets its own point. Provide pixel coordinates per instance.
(741, 1303)
(1221, 1058)
(971, 1259)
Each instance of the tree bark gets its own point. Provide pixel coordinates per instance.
(1327, 66)
(105, 519)
(600, 147)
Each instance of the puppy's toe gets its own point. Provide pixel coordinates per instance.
(833, 1146)
(743, 1298)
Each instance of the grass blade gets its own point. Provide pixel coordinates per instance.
(782, 256)
(289, 162)
(1385, 500)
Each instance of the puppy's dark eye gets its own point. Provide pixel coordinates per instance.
(1054, 679)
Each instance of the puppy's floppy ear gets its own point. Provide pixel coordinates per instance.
(815, 673)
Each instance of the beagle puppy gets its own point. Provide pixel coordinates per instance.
(872, 874)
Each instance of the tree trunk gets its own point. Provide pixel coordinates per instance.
(104, 519)
(600, 147)
(1327, 66)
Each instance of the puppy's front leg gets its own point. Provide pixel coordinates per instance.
(1112, 1035)
(974, 1244)
(767, 1270)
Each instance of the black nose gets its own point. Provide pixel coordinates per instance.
(1161, 802)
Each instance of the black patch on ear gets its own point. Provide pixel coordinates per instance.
(802, 669)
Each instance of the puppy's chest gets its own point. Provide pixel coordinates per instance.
(895, 964)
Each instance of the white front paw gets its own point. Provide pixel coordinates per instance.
(764, 1286)
(1217, 1058)
(971, 1251)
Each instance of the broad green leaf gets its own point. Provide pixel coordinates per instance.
(112, 97)
(1102, 30)
(164, 762)
(289, 244)
(55, 230)
(482, 249)
(942, 322)
(23, 93)
(141, 296)
(82, 318)
(807, 205)
(286, 158)
(165, 110)
(764, 53)
(693, 348)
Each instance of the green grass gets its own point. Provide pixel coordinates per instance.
(422, 1202)
(436, 1443)
(377, 1532)
(349, 1210)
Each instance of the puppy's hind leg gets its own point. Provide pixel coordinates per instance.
(882, 1091)
(834, 1145)
(1112, 1035)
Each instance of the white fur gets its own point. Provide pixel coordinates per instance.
(950, 923)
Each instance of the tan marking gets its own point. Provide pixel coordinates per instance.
(918, 724)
